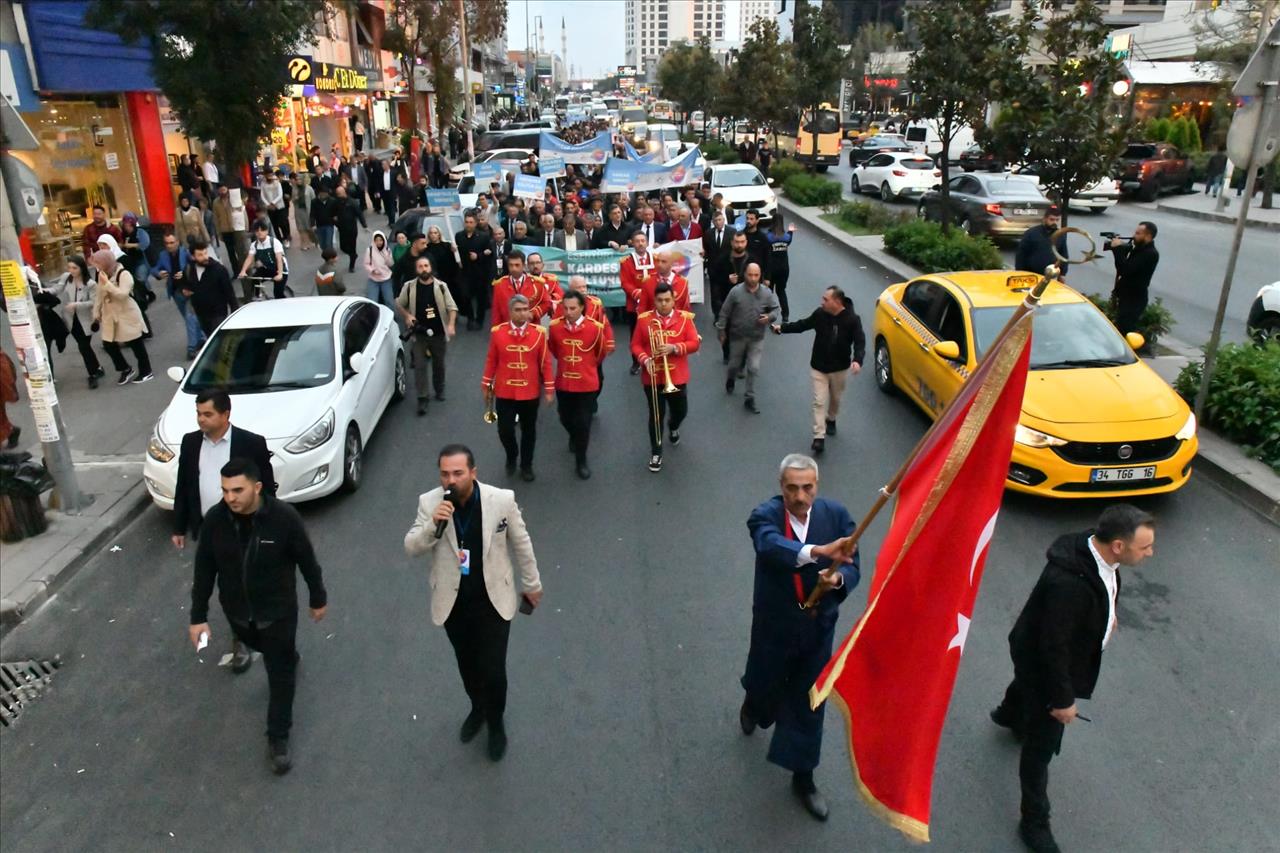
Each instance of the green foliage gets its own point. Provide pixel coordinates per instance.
(713, 150)
(729, 155)
(1157, 130)
(1155, 322)
(1199, 165)
(812, 191)
(690, 75)
(1075, 136)
(962, 65)
(1194, 143)
(875, 218)
(821, 61)
(783, 168)
(1177, 134)
(926, 247)
(759, 85)
(1244, 397)
(221, 63)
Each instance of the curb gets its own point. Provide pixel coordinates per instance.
(31, 595)
(1214, 216)
(1217, 469)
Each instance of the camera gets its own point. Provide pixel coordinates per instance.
(1108, 236)
(417, 329)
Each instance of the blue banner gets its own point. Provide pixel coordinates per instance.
(593, 151)
(633, 154)
(530, 186)
(551, 167)
(443, 200)
(628, 176)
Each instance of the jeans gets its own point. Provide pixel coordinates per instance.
(672, 408)
(434, 346)
(827, 390)
(277, 642)
(324, 234)
(84, 343)
(139, 349)
(745, 352)
(1213, 185)
(195, 337)
(479, 635)
(381, 292)
(527, 413)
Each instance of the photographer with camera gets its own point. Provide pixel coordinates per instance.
(429, 313)
(1136, 259)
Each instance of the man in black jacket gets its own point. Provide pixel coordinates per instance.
(208, 287)
(839, 346)
(614, 234)
(475, 255)
(757, 244)
(1035, 249)
(251, 545)
(1135, 264)
(1057, 645)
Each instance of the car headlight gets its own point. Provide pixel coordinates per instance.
(314, 436)
(1188, 429)
(1034, 438)
(156, 448)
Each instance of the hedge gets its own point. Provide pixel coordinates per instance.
(923, 245)
(1244, 397)
(1156, 320)
(713, 149)
(783, 168)
(812, 191)
(873, 217)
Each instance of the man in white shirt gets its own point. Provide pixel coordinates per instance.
(1057, 644)
(210, 170)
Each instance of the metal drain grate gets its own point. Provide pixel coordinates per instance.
(21, 683)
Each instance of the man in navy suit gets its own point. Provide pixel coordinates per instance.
(797, 541)
(655, 232)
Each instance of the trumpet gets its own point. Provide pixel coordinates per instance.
(490, 408)
(655, 339)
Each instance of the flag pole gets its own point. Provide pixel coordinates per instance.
(888, 490)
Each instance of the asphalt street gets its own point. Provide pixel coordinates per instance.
(1193, 260)
(624, 683)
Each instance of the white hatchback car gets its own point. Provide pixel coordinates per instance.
(895, 174)
(743, 188)
(312, 375)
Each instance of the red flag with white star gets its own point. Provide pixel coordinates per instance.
(893, 675)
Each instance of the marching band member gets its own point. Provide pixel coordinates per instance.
(679, 284)
(518, 282)
(580, 345)
(662, 341)
(555, 293)
(518, 363)
(632, 273)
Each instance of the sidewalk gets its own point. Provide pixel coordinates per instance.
(1197, 205)
(1251, 482)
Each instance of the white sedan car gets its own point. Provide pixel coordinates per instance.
(1095, 198)
(312, 375)
(895, 174)
(743, 188)
(515, 158)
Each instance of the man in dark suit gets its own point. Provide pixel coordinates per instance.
(717, 239)
(199, 487)
(799, 550)
(207, 285)
(654, 232)
(614, 234)
(373, 181)
(1057, 645)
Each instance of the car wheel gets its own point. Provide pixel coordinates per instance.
(886, 194)
(966, 225)
(352, 460)
(1148, 191)
(922, 211)
(883, 367)
(854, 186)
(1267, 330)
(821, 167)
(401, 379)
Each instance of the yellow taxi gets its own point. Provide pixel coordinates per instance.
(1096, 421)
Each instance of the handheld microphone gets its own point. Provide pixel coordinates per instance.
(441, 525)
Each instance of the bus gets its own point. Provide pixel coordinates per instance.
(662, 111)
(799, 142)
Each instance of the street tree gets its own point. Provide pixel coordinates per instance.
(223, 64)
(689, 75)
(762, 77)
(1063, 117)
(821, 62)
(967, 58)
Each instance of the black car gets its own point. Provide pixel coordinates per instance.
(873, 145)
(974, 159)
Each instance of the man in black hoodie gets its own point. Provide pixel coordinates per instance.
(839, 345)
(252, 544)
(1057, 645)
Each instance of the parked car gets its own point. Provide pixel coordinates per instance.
(998, 206)
(743, 188)
(516, 158)
(1150, 168)
(867, 148)
(312, 375)
(895, 174)
(1095, 198)
(1264, 315)
(974, 159)
(924, 136)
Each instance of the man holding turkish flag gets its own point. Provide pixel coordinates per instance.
(892, 677)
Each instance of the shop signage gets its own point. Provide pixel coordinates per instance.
(304, 71)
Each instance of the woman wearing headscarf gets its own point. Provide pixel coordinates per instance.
(140, 292)
(444, 265)
(117, 315)
(75, 292)
(189, 224)
(378, 263)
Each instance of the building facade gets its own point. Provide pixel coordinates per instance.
(651, 26)
(751, 11)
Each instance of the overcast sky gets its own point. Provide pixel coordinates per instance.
(594, 28)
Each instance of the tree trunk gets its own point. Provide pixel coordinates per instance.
(944, 163)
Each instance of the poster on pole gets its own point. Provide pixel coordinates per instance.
(551, 167)
(487, 171)
(530, 187)
(444, 201)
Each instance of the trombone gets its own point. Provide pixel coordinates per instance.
(656, 338)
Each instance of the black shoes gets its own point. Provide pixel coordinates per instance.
(1004, 718)
(750, 405)
(497, 741)
(440, 396)
(584, 473)
(635, 368)
(819, 445)
(125, 376)
(422, 405)
(745, 720)
(1037, 837)
(526, 474)
(814, 803)
(241, 658)
(95, 376)
(278, 755)
(511, 467)
(471, 726)
(728, 385)
(138, 380)
(655, 463)
(831, 427)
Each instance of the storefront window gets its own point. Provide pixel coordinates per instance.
(86, 157)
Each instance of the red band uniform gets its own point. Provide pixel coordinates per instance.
(518, 369)
(529, 286)
(677, 329)
(580, 349)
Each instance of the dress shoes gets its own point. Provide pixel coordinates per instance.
(497, 741)
(422, 405)
(819, 445)
(278, 755)
(831, 427)
(746, 720)
(812, 800)
(527, 475)
(511, 467)
(750, 405)
(728, 385)
(1037, 837)
(584, 473)
(1004, 718)
(471, 726)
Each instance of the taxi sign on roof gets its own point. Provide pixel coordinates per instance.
(1021, 281)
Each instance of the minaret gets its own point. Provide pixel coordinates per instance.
(564, 46)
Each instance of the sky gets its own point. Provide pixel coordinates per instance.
(594, 27)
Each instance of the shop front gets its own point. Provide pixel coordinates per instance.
(326, 102)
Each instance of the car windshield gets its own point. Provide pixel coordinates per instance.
(1014, 188)
(1064, 336)
(917, 163)
(1138, 152)
(271, 358)
(737, 178)
(888, 142)
(633, 114)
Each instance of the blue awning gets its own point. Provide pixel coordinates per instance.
(70, 57)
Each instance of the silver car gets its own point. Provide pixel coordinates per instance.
(996, 205)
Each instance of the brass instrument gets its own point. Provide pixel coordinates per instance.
(656, 338)
(490, 410)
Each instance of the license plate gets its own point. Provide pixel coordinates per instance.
(1023, 211)
(1122, 475)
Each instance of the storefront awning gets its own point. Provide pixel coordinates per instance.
(1174, 73)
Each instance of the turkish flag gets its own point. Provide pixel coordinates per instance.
(892, 676)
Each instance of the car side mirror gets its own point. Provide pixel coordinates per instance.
(1135, 341)
(358, 362)
(176, 373)
(771, 181)
(950, 350)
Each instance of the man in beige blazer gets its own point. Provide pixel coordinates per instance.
(467, 526)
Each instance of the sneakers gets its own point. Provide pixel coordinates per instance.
(675, 437)
(819, 445)
(831, 427)
(241, 658)
(125, 376)
(278, 755)
(140, 379)
(750, 405)
(655, 463)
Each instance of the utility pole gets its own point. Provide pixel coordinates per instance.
(24, 326)
(468, 99)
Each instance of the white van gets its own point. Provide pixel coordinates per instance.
(923, 137)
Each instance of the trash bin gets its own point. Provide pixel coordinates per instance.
(22, 481)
